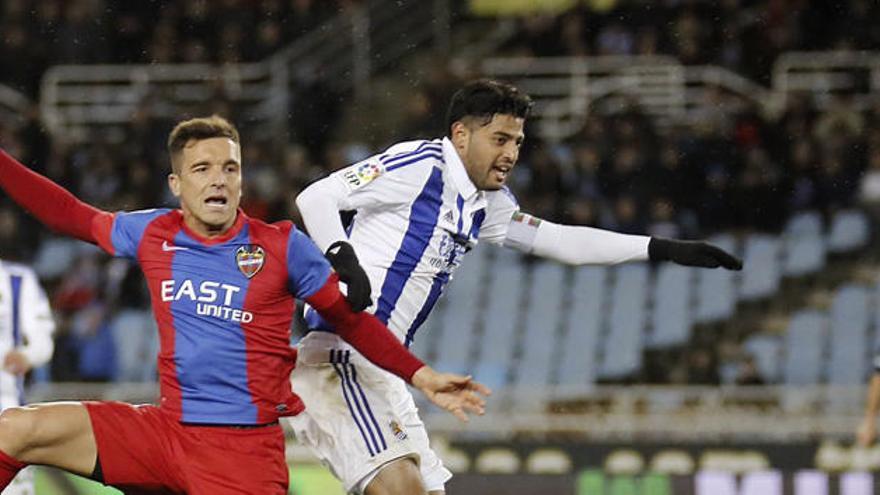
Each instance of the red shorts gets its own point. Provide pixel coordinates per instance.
(144, 450)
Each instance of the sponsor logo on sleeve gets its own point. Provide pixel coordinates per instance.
(361, 174)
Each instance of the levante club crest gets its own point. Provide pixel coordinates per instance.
(250, 259)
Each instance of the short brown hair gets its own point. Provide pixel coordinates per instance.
(198, 129)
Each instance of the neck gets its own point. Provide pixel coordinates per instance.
(206, 230)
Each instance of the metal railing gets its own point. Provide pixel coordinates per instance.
(79, 102)
(612, 413)
(568, 89)
(13, 104)
(676, 413)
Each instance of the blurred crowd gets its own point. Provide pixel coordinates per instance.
(742, 170)
(41, 33)
(742, 35)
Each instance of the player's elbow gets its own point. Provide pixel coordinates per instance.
(310, 197)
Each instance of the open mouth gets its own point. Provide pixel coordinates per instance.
(501, 172)
(216, 201)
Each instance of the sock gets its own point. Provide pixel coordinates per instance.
(9, 467)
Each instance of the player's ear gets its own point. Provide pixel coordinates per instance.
(174, 184)
(459, 135)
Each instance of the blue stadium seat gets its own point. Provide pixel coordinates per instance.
(716, 294)
(670, 315)
(850, 319)
(581, 326)
(804, 224)
(803, 249)
(501, 317)
(622, 348)
(804, 346)
(766, 351)
(761, 273)
(849, 231)
(455, 321)
(543, 317)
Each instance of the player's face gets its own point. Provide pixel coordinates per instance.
(208, 184)
(489, 151)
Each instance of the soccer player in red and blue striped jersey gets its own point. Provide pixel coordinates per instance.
(223, 287)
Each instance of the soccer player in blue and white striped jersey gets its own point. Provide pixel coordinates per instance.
(420, 206)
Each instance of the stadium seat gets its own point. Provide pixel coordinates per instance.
(622, 348)
(766, 351)
(848, 331)
(849, 231)
(581, 326)
(457, 319)
(502, 317)
(715, 292)
(802, 255)
(548, 461)
(803, 250)
(670, 314)
(498, 460)
(543, 319)
(804, 346)
(760, 278)
(804, 224)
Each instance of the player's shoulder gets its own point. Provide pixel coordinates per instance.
(502, 197)
(406, 154)
(270, 232)
(145, 217)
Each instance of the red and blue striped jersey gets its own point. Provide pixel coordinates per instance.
(224, 307)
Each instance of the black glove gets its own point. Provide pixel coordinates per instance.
(341, 256)
(692, 253)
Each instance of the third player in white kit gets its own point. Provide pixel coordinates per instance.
(420, 206)
(26, 328)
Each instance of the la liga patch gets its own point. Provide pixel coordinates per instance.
(361, 174)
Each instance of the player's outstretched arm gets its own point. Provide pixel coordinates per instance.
(53, 205)
(580, 245)
(867, 431)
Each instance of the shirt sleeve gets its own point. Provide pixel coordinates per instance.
(120, 233)
(500, 210)
(307, 268)
(385, 181)
(36, 320)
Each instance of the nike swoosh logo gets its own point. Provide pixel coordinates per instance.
(169, 247)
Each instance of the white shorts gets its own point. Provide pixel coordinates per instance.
(22, 484)
(358, 417)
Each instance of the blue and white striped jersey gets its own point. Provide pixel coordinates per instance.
(417, 214)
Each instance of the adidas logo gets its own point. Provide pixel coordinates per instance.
(449, 217)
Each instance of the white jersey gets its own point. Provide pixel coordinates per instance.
(26, 325)
(417, 214)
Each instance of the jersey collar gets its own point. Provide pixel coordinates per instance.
(456, 169)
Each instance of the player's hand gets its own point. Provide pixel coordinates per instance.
(342, 257)
(456, 393)
(692, 253)
(867, 432)
(16, 362)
